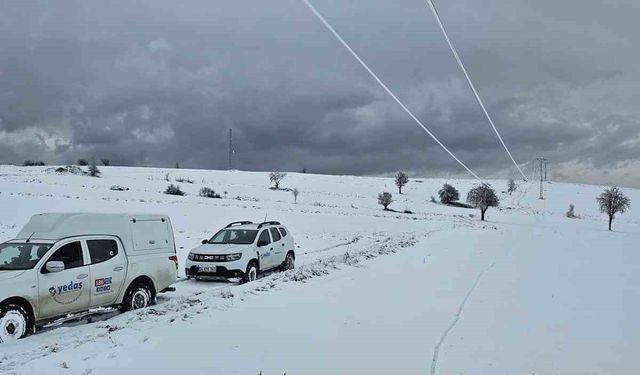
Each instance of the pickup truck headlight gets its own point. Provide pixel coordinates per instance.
(232, 257)
(191, 256)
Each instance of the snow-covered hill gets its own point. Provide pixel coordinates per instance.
(374, 292)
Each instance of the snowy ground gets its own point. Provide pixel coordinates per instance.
(436, 291)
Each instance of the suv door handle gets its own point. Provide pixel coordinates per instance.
(118, 268)
(82, 276)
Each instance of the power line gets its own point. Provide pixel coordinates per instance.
(366, 67)
(473, 88)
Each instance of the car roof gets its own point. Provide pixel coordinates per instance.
(32, 242)
(254, 226)
(245, 226)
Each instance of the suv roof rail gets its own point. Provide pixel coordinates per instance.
(268, 223)
(238, 223)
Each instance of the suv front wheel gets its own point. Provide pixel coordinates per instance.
(252, 272)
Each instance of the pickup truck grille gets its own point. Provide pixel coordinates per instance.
(209, 258)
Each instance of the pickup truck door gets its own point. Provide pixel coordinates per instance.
(67, 291)
(108, 264)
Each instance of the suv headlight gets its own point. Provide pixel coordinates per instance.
(191, 256)
(232, 257)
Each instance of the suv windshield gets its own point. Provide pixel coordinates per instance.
(21, 256)
(234, 236)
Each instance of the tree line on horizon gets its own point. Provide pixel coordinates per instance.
(611, 201)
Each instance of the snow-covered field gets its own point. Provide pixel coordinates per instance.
(437, 291)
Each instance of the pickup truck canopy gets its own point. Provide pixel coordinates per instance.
(138, 232)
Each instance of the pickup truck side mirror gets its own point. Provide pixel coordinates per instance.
(55, 266)
(262, 243)
(204, 242)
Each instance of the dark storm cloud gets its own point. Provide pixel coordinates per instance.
(160, 82)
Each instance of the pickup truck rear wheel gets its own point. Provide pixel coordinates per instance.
(137, 297)
(14, 323)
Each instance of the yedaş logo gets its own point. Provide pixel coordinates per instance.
(58, 292)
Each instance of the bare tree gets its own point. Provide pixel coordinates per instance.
(83, 162)
(295, 193)
(512, 186)
(93, 169)
(276, 178)
(105, 162)
(483, 197)
(385, 199)
(571, 214)
(448, 194)
(401, 180)
(613, 201)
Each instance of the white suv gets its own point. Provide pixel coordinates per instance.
(242, 250)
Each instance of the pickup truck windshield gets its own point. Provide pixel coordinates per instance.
(21, 256)
(234, 236)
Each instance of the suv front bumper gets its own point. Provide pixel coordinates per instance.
(221, 271)
(232, 269)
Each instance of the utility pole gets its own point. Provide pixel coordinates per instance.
(230, 148)
(543, 174)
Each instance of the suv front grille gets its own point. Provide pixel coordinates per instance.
(209, 258)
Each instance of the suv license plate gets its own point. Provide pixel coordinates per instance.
(208, 269)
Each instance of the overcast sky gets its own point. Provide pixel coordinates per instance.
(156, 82)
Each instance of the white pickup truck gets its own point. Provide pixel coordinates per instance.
(61, 264)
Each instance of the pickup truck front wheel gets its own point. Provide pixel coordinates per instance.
(137, 297)
(14, 323)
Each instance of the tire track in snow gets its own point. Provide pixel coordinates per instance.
(443, 337)
(350, 242)
(436, 349)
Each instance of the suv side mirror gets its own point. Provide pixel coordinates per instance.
(262, 243)
(204, 242)
(55, 266)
